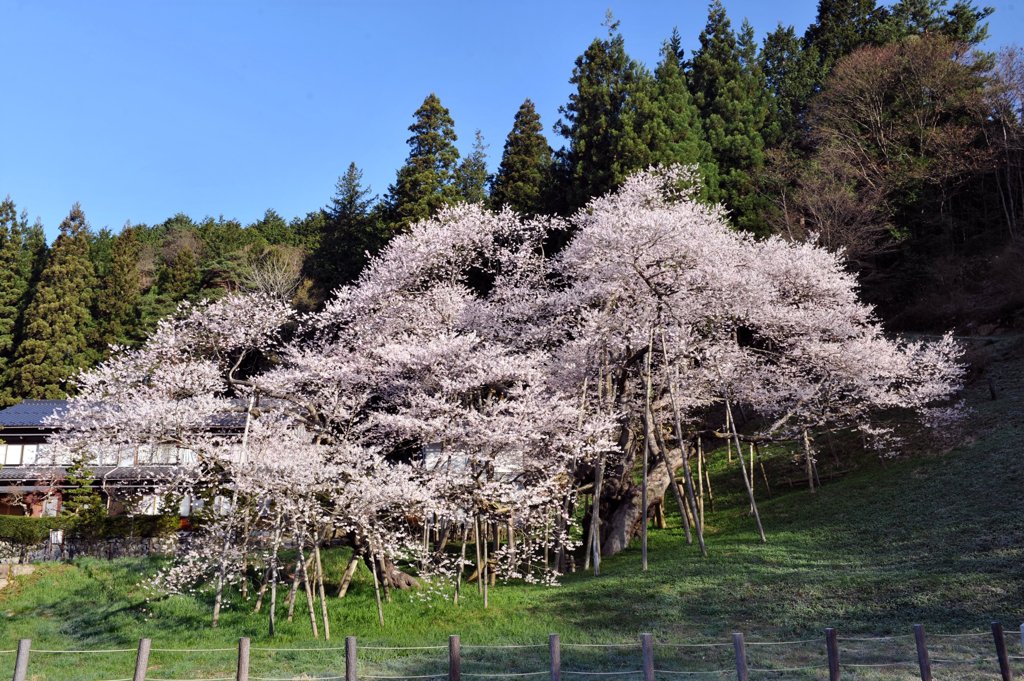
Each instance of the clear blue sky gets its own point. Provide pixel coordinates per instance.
(140, 110)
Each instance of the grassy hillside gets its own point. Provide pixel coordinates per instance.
(935, 538)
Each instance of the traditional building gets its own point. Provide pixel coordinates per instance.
(32, 483)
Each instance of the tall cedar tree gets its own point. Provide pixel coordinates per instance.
(729, 89)
(349, 232)
(964, 22)
(471, 178)
(670, 127)
(840, 27)
(427, 180)
(58, 317)
(117, 301)
(14, 282)
(602, 151)
(792, 75)
(524, 176)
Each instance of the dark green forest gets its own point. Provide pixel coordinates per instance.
(882, 130)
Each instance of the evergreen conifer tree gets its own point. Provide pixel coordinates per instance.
(348, 232)
(525, 173)
(117, 301)
(427, 180)
(671, 131)
(58, 316)
(471, 177)
(840, 27)
(13, 281)
(792, 74)
(603, 147)
(729, 90)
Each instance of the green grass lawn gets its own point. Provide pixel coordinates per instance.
(933, 538)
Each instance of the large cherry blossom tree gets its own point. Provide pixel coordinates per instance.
(470, 386)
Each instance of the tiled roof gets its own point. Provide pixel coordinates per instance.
(29, 413)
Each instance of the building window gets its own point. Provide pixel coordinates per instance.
(12, 455)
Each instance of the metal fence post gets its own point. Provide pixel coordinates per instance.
(555, 648)
(21, 661)
(142, 660)
(741, 657)
(243, 660)
(923, 662)
(833, 654)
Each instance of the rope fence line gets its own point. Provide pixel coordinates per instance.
(645, 644)
(544, 672)
(498, 647)
(783, 643)
(710, 671)
(191, 650)
(621, 673)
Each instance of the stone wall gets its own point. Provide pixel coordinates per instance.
(98, 548)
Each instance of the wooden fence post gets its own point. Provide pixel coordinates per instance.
(1004, 661)
(555, 648)
(922, 653)
(833, 654)
(741, 657)
(142, 660)
(21, 661)
(243, 660)
(647, 649)
(350, 658)
(454, 659)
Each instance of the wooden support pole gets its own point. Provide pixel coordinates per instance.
(243, 660)
(740, 648)
(21, 661)
(555, 649)
(647, 648)
(922, 653)
(142, 660)
(833, 654)
(454, 659)
(350, 658)
(1004, 661)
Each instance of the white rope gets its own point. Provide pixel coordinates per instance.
(785, 669)
(517, 645)
(193, 650)
(296, 650)
(396, 648)
(287, 678)
(425, 676)
(217, 678)
(638, 671)
(85, 652)
(875, 638)
(601, 645)
(545, 672)
(715, 671)
(976, 660)
(883, 664)
(692, 645)
(976, 633)
(781, 643)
